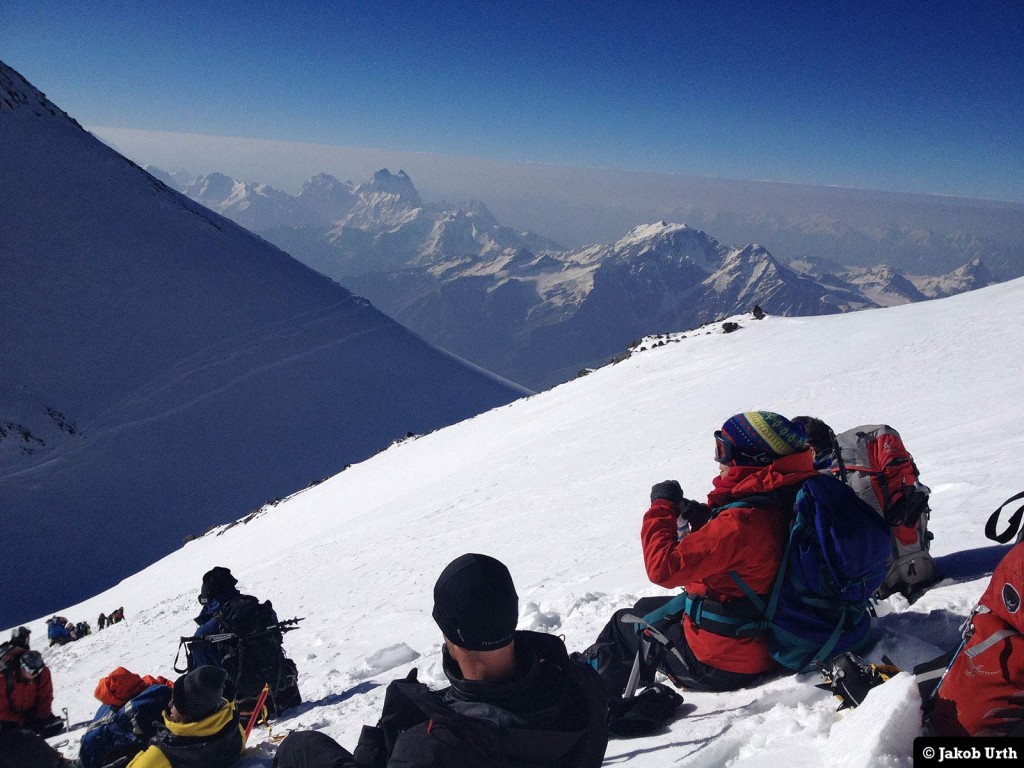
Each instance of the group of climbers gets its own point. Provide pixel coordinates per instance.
(114, 617)
(60, 631)
(783, 503)
(150, 722)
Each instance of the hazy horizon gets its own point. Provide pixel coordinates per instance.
(899, 97)
(572, 204)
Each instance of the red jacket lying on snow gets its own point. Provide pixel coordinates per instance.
(746, 539)
(983, 692)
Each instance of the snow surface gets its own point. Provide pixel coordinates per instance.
(556, 484)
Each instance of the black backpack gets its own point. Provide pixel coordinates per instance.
(251, 647)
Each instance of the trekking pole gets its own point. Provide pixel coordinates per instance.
(260, 702)
(67, 720)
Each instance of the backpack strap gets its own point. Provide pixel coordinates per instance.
(1013, 524)
(736, 618)
(988, 642)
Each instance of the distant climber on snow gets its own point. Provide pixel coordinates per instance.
(57, 630)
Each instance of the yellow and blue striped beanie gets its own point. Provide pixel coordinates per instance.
(761, 437)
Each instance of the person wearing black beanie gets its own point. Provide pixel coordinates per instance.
(475, 603)
(201, 728)
(515, 698)
(226, 611)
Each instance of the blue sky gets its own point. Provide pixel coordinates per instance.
(923, 96)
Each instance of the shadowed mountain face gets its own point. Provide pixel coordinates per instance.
(163, 370)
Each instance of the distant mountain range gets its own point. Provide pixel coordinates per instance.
(163, 370)
(520, 305)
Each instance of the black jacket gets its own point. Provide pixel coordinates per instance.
(554, 713)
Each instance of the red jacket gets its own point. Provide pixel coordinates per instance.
(746, 539)
(984, 688)
(25, 701)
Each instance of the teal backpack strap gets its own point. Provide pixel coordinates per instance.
(674, 607)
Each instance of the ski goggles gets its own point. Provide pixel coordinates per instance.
(727, 452)
(724, 448)
(32, 663)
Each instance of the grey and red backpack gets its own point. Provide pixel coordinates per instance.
(873, 460)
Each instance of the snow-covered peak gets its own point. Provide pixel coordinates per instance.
(324, 183)
(648, 232)
(329, 198)
(969, 277)
(214, 188)
(884, 285)
(398, 185)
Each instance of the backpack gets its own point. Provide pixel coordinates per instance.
(834, 560)
(979, 695)
(1013, 525)
(873, 460)
(252, 653)
(117, 734)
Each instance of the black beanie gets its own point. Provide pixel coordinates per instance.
(199, 693)
(217, 582)
(475, 603)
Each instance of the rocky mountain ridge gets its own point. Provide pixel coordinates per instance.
(523, 307)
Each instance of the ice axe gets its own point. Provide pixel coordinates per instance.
(650, 632)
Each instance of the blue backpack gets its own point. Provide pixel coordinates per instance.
(835, 560)
(117, 735)
(833, 563)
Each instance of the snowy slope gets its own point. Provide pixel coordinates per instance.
(163, 370)
(556, 485)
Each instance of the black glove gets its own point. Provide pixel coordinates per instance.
(668, 490)
(48, 726)
(644, 713)
(399, 712)
(370, 751)
(695, 513)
